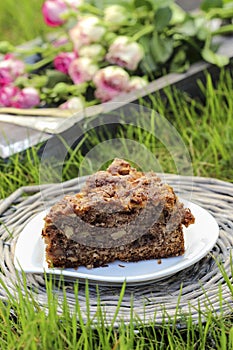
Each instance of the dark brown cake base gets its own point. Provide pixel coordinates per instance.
(120, 214)
(61, 252)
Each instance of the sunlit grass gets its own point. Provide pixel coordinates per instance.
(16, 19)
(205, 126)
(26, 324)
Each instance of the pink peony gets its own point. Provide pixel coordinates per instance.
(110, 82)
(63, 60)
(52, 11)
(88, 30)
(5, 77)
(10, 69)
(125, 53)
(12, 96)
(8, 94)
(28, 98)
(82, 69)
(73, 103)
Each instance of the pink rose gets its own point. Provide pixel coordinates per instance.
(27, 98)
(53, 10)
(12, 96)
(63, 60)
(10, 69)
(125, 53)
(5, 77)
(88, 30)
(73, 103)
(82, 69)
(8, 94)
(110, 82)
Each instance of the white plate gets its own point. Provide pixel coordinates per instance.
(199, 240)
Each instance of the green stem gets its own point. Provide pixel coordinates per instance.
(40, 63)
(222, 13)
(28, 52)
(227, 29)
(90, 8)
(144, 31)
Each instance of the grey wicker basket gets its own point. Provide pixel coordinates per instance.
(196, 288)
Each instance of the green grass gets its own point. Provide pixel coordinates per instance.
(205, 126)
(21, 21)
(27, 325)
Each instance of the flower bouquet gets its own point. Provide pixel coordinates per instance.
(100, 52)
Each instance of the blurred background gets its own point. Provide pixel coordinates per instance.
(22, 20)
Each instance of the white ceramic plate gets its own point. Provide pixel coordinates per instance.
(199, 240)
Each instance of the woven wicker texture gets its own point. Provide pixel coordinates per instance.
(196, 287)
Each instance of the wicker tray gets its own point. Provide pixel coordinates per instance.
(196, 287)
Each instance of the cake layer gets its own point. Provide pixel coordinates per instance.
(120, 213)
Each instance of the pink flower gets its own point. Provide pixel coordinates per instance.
(88, 30)
(53, 10)
(73, 103)
(110, 82)
(125, 53)
(82, 69)
(63, 60)
(28, 98)
(5, 76)
(12, 96)
(8, 94)
(10, 69)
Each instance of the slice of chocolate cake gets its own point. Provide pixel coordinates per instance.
(120, 213)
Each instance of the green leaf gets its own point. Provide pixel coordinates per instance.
(214, 58)
(162, 18)
(179, 62)
(209, 4)
(161, 48)
(145, 41)
(55, 77)
(188, 28)
(178, 14)
(148, 64)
